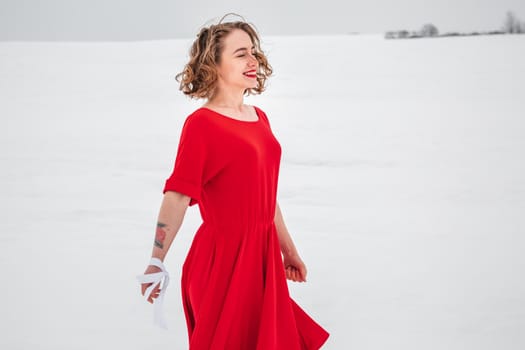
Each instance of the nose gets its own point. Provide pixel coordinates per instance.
(253, 60)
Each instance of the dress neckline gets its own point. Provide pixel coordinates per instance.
(238, 120)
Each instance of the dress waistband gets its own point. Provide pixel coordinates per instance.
(236, 225)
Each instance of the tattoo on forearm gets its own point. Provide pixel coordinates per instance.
(160, 235)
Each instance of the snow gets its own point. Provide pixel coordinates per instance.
(402, 184)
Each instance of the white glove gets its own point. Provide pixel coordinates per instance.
(156, 278)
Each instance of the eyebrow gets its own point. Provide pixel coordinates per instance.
(242, 49)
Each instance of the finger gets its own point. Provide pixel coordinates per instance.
(303, 272)
(154, 294)
(144, 287)
(292, 274)
(152, 298)
(297, 276)
(300, 274)
(155, 290)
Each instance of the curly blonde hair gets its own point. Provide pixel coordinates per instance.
(199, 77)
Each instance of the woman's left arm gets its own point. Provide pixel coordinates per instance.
(294, 266)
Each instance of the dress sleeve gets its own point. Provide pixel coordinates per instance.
(188, 172)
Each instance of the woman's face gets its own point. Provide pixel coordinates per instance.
(238, 65)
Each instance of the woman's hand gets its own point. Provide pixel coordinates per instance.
(295, 268)
(144, 286)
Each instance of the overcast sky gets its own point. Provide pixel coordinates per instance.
(164, 19)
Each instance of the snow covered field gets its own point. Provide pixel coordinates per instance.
(402, 183)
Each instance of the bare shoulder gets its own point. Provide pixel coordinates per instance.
(252, 111)
(257, 110)
(253, 108)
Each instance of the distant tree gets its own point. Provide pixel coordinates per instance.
(521, 27)
(512, 24)
(390, 35)
(429, 30)
(403, 34)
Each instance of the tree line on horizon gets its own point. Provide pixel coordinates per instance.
(511, 25)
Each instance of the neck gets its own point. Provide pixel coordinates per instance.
(228, 99)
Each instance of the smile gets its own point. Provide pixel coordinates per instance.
(251, 73)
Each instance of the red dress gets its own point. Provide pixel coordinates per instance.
(234, 289)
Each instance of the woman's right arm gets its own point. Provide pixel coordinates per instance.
(171, 215)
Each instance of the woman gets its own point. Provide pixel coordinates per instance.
(234, 288)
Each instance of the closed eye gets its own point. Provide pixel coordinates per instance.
(253, 53)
